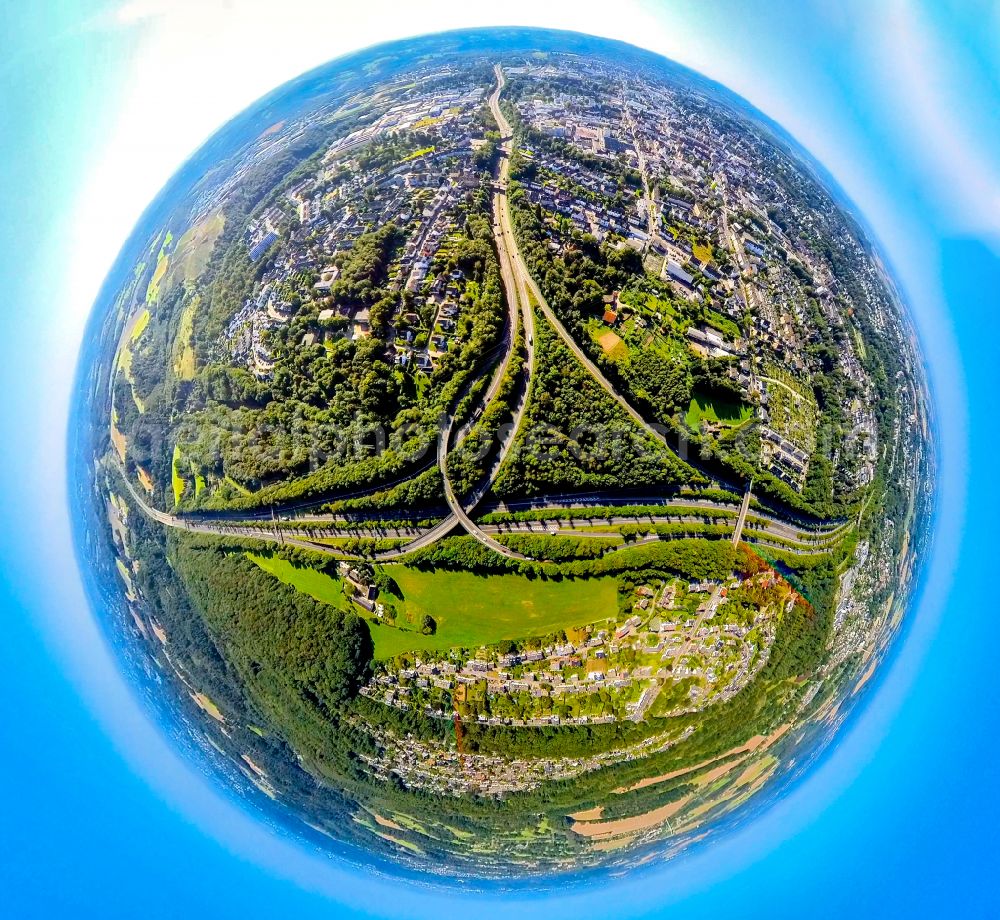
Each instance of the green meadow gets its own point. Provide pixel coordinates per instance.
(470, 610)
(717, 411)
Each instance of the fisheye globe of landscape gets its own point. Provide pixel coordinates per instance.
(502, 453)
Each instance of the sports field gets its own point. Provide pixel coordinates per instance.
(612, 346)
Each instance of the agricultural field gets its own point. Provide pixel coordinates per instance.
(184, 356)
(141, 322)
(193, 250)
(159, 273)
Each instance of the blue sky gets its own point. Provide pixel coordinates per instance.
(100, 102)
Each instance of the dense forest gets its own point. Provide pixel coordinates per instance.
(575, 436)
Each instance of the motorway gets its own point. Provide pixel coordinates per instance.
(598, 500)
(525, 279)
(260, 531)
(312, 530)
(519, 289)
(520, 311)
(599, 506)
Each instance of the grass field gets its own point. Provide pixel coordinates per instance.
(470, 610)
(423, 151)
(176, 479)
(162, 262)
(716, 411)
(725, 325)
(859, 343)
(792, 406)
(316, 584)
(184, 363)
(194, 248)
(232, 483)
(702, 252)
(389, 641)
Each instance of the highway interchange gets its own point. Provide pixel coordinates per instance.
(522, 293)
